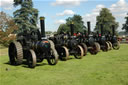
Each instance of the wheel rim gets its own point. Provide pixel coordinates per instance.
(31, 59)
(84, 46)
(79, 52)
(95, 49)
(64, 53)
(52, 60)
(98, 45)
(53, 57)
(110, 44)
(105, 47)
(116, 46)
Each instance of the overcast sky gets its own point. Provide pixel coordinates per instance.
(56, 11)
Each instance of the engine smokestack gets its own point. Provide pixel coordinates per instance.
(72, 28)
(89, 26)
(42, 25)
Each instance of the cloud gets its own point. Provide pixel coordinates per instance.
(120, 14)
(120, 6)
(119, 11)
(98, 8)
(92, 16)
(67, 3)
(58, 22)
(66, 12)
(6, 4)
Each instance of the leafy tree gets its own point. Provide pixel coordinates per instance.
(63, 28)
(7, 27)
(54, 32)
(78, 24)
(26, 17)
(107, 19)
(48, 32)
(125, 26)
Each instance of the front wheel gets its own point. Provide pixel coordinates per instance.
(79, 52)
(53, 58)
(95, 48)
(110, 44)
(85, 49)
(98, 46)
(31, 60)
(116, 45)
(106, 47)
(64, 53)
(109, 48)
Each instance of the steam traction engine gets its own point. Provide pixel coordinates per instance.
(73, 45)
(113, 40)
(34, 47)
(66, 44)
(101, 39)
(60, 45)
(88, 42)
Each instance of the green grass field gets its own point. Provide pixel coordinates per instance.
(105, 68)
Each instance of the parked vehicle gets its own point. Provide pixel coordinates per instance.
(66, 44)
(34, 47)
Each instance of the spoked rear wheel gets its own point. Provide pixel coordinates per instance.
(31, 60)
(15, 53)
(64, 53)
(116, 46)
(79, 52)
(53, 58)
(85, 49)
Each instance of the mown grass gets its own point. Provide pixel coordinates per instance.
(105, 68)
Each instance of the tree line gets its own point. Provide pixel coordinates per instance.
(105, 17)
(26, 17)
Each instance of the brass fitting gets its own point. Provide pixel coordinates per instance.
(42, 18)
